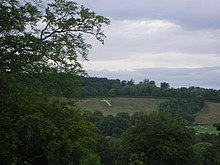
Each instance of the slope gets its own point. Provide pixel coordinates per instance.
(120, 104)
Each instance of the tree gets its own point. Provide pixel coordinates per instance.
(185, 108)
(164, 85)
(40, 132)
(34, 40)
(40, 49)
(158, 139)
(38, 41)
(206, 154)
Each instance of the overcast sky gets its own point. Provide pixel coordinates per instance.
(174, 41)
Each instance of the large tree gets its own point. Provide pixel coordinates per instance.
(39, 45)
(37, 39)
(157, 139)
(34, 36)
(39, 132)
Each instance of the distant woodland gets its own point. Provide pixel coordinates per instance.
(93, 86)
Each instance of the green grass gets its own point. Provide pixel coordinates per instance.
(205, 129)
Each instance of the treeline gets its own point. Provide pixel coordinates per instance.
(93, 86)
(71, 85)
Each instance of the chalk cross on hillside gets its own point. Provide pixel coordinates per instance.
(107, 102)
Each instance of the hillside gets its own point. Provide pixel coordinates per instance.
(120, 104)
(209, 114)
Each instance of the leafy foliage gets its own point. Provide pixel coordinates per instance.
(32, 40)
(146, 137)
(206, 154)
(38, 131)
(40, 50)
(93, 86)
(185, 108)
(158, 139)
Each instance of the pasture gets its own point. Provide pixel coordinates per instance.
(209, 128)
(120, 104)
(111, 106)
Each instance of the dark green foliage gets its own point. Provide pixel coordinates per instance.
(205, 137)
(40, 47)
(99, 87)
(114, 126)
(41, 132)
(136, 117)
(56, 44)
(153, 139)
(164, 85)
(123, 120)
(110, 129)
(107, 149)
(91, 159)
(205, 153)
(185, 108)
(217, 125)
(93, 86)
(50, 84)
(157, 139)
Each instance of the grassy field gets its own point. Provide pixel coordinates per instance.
(207, 116)
(205, 129)
(120, 104)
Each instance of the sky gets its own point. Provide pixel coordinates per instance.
(174, 41)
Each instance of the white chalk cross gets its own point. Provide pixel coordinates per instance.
(107, 102)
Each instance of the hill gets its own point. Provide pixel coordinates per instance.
(120, 104)
(208, 115)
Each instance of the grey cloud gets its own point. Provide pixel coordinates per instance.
(120, 45)
(194, 43)
(193, 14)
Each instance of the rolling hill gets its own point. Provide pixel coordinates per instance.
(208, 115)
(120, 104)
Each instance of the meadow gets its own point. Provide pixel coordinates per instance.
(205, 118)
(120, 104)
(205, 128)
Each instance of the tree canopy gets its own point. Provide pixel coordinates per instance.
(36, 37)
(94, 86)
(157, 139)
(38, 132)
(40, 50)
